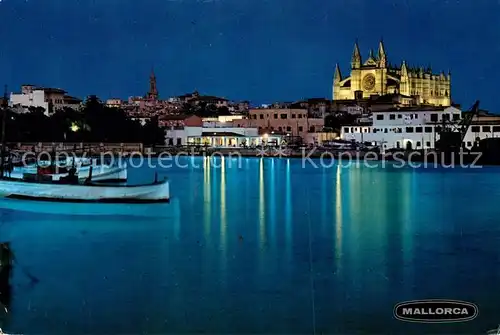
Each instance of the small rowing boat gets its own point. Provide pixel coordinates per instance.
(104, 173)
(157, 191)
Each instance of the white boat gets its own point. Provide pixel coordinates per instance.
(105, 193)
(99, 173)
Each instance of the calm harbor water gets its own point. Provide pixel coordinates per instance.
(265, 247)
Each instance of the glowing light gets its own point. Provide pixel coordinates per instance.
(74, 127)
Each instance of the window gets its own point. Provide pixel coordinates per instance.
(385, 130)
(311, 129)
(346, 129)
(469, 144)
(428, 143)
(409, 129)
(434, 117)
(446, 117)
(280, 129)
(179, 141)
(418, 129)
(380, 116)
(301, 129)
(474, 129)
(261, 116)
(438, 129)
(283, 116)
(293, 116)
(288, 128)
(275, 116)
(486, 129)
(496, 129)
(428, 129)
(400, 116)
(272, 128)
(300, 116)
(456, 117)
(254, 116)
(392, 117)
(418, 144)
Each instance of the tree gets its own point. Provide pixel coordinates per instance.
(223, 110)
(336, 121)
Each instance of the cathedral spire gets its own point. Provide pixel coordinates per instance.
(404, 69)
(382, 57)
(337, 77)
(356, 56)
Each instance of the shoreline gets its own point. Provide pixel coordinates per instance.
(429, 156)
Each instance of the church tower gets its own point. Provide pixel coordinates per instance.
(153, 91)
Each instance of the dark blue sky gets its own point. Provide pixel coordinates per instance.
(261, 50)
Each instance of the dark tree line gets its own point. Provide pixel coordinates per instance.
(94, 123)
(205, 110)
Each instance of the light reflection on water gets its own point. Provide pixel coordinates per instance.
(379, 237)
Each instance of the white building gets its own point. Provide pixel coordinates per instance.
(417, 128)
(114, 103)
(26, 99)
(218, 136)
(50, 99)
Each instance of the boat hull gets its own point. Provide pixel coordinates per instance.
(159, 210)
(16, 189)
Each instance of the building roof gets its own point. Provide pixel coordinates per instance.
(70, 98)
(269, 131)
(221, 133)
(413, 109)
(175, 117)
(52, 90)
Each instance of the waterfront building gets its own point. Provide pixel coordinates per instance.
(483, 126)
(403, 128)
(292, 122)
(50, 99)
(216, 134)
(418, 127)
(376, 76)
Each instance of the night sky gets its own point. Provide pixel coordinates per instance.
(260, 50)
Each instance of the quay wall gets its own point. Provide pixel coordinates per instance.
(69, 146)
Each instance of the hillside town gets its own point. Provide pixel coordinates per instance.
(378, 103)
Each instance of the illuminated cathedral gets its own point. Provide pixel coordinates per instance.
(376, 76)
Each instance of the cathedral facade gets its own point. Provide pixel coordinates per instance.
(376, 76)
